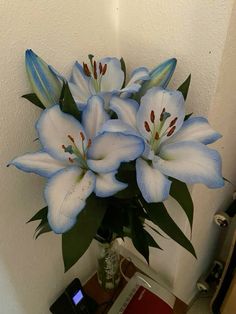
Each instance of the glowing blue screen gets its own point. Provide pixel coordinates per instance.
(77, 297)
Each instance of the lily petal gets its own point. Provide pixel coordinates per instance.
(116, 125)
(196, 129)
(159, 76)
(40, 163)
(44, 82)
(53, 128)
(107, 185)
(153, 185)
(156, 99)
(138, 75)
(114, 76)
(191, 162)
(79, 98)
(94, 116)
(110, 149)
(79, 84)
(65, 194)
(126, 110)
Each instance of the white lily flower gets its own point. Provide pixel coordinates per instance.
(77, 160)
(174, 147)
(104, 78)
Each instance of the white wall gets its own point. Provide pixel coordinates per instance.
(60, 31)
(194, 32)
(150, 31)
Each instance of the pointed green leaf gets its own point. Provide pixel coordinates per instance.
(44, 228)
(127, 174)
(41, 214)
(227, 180)
(179, 191)
(159, 216)
(114, 220)
(67, 103)
(185, 87)
(123, 68)
(138, 235)
(151, 242)
(34, 100)
(76, 241)
(155, 230)
(188, 116)
(159, 76)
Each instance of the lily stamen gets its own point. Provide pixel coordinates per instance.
(171, 131)
(162, 114)
(82, 136)
(147, 127)
(71, 160)
(71, 138)
(104, 69)
(157, 136)
(86, 69)
(172, 123)
(152, 116)
(95, 70)
(100, 68)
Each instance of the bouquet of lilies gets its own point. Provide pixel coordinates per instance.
(113, 151)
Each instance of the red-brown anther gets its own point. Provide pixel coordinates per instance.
(71, 160)
(171, 131)
(95, 70)
(147, 127)
(173, 122)
(86, 69)
(82, 136)
(162, 114)
(104, 69)
(152, 116)
(89, 143)
(63, 146)
(100, 67)
(157, 136)
(71, 138)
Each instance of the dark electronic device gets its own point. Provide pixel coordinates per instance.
(73, 300)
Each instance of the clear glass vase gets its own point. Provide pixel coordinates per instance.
(108, 270)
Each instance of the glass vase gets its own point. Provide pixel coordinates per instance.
(108, 270)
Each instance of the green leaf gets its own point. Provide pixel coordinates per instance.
(76, 241)
(34, 100)
(114, 220)
(42, 228)
(123, 68)
(138, 235)
(67, 103)
(155, 230)
(159, 216)
(185, 87)
(151, 242)
(179, 191)
(226, 180)
(127, 174)
(41, 214)
(188, 116)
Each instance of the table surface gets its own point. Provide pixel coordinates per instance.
(106, 298)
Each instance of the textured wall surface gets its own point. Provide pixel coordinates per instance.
(60, 31)
(144, 32)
